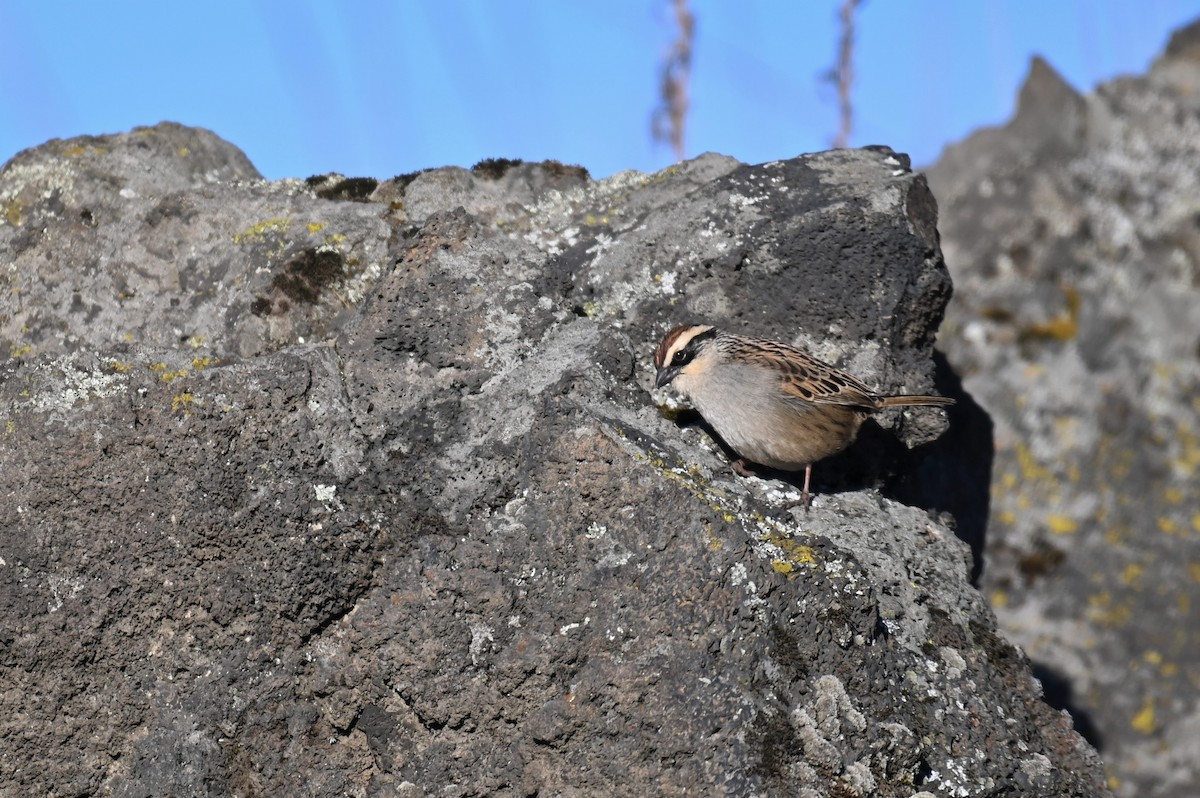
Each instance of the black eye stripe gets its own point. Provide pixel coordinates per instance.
(683, 354)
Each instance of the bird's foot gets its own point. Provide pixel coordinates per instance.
(739, 466)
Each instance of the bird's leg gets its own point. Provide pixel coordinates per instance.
(804, 497)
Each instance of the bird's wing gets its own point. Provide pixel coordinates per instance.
(805, 379)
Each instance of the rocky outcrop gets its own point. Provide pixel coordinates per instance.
(339, 487)
(1073, 234)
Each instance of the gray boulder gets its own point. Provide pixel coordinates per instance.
(1073, 234)
(345, 487)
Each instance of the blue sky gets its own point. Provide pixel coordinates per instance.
(382, 88)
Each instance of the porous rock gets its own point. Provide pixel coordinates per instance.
(1073, 234)
(448, 544)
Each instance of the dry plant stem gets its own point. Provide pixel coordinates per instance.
(845, 73)
(671, 117)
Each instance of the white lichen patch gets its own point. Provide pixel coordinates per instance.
(666, 282)
(61, 589)
(952, 777)
(77, 385)
(482, 637)
(50, 176)
(822, 726)
(327, 495)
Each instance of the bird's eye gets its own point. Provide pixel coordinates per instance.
(679, 358)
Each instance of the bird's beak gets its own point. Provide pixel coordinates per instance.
(665, 375)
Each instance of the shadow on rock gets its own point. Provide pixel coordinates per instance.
(949, 476)
(954, 473)
(1058, 693)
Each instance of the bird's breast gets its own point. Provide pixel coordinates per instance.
(744, 406)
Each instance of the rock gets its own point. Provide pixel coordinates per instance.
(1072, 236)
(168, 235)
(448, 545)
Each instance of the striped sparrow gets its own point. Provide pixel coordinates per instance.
(772, 403)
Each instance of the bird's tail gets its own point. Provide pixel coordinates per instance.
(907, 400)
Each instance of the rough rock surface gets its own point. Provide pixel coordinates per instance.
(341, 487)
(1073, 234)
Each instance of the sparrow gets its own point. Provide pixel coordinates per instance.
(772, 403)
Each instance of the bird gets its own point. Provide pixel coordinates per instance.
(772, 403)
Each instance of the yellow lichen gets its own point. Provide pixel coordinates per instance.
(1062, 525)
(183, 402)
(204, 362)
(1132, 573)
(1031, 469)
(277, 225)
(1104, 611)
(12, 211)
(20, 351)
(1189, 445)
(120, 367)
(80, 149)
(1143, 721)
(1062, 327)
(1118, 534)
(794, 553)
(170, 376)
(316, 227)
